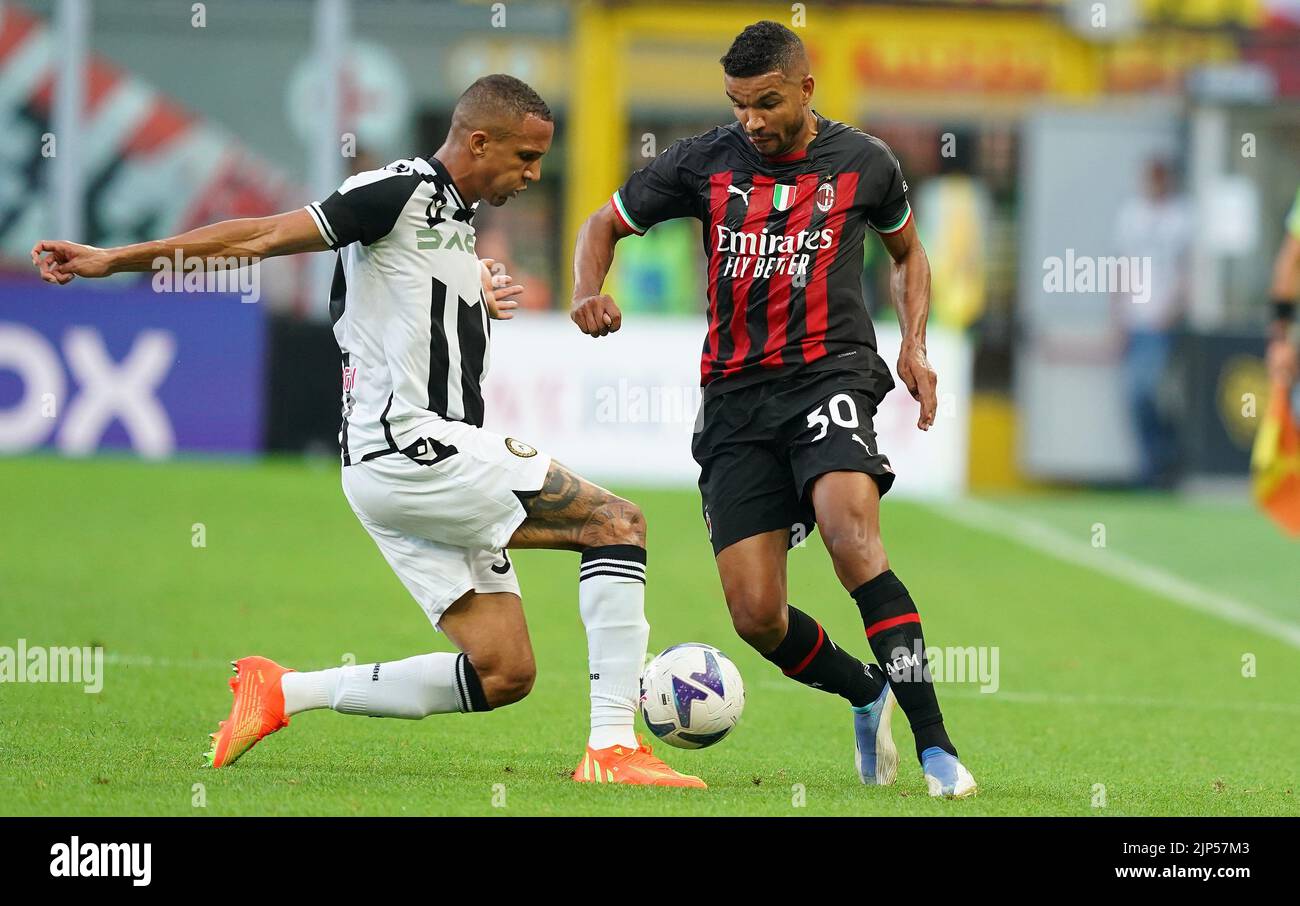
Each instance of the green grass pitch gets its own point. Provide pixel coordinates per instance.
(1112, 701)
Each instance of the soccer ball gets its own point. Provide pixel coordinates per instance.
(691, 695)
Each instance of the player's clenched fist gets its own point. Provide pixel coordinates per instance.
(59, 262)
(597, 316)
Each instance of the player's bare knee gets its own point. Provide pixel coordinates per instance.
(509, 682)
(615, 521)
(761, 633)
(506, 676)
(759, 621)
(513, 686)
(854, 551)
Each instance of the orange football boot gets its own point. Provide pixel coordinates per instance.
(620, 764)
(258, 710)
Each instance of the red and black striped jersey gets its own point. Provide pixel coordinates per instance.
(784, 241)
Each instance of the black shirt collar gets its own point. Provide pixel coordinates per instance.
(444, 177)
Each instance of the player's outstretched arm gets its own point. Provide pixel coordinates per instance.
(245, 238)
(909, 286)
(594, 312)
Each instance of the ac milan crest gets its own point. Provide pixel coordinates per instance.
(825, 197)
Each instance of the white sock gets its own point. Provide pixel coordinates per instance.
(611, 598)
(412, 688)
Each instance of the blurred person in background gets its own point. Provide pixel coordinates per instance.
(498, 244)
(1155, 225)
(1284, 334)
(954, 233)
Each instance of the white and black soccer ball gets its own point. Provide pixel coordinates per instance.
(691, 695)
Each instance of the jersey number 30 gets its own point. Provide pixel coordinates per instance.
(842, 411)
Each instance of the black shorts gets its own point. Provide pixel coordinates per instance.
(760, 447)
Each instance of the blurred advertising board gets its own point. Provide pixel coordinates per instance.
(87, 369)
(1227, 395)
(622, 408)
(148, 166)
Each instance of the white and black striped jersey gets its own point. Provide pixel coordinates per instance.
(407, 305)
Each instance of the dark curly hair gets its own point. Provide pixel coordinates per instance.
(765, 46)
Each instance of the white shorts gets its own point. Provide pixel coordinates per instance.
(443, 519)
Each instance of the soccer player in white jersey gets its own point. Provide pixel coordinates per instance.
(442, 498)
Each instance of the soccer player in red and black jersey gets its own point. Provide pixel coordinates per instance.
(792, 378)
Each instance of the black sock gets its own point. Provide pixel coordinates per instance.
(807, 655)
(469, 687)
(894, 630)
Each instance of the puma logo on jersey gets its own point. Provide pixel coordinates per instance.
(864, 444)
(743, 193)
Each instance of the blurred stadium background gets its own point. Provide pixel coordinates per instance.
(1028, 130)
(1023, 126)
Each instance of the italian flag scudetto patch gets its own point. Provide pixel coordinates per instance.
(782, 197)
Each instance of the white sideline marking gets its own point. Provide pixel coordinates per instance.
(1123, 701)
(1048, 540)
(955, 690)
